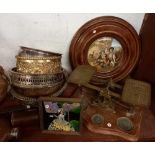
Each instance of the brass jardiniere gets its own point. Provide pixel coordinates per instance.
(33, 61)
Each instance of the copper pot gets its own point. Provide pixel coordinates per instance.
(3, 84)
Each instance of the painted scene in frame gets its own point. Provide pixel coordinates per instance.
(62, 116)
(105, 54)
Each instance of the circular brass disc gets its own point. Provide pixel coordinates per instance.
(97, 119)
(125, 124)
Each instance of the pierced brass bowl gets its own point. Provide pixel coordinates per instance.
(33, 85)
(34, 61)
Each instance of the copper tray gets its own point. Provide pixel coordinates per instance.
(108, 43)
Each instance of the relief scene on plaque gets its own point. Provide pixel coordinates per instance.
(105, 54)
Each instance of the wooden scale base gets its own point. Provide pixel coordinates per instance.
(118, 122)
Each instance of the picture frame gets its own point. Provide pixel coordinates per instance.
(59, 115)
(95, 39)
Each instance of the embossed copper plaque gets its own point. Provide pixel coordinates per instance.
(108, 43)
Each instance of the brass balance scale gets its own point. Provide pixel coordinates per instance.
(104, 43)
(106, 114)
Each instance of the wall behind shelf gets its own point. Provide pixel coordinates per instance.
(52, 32)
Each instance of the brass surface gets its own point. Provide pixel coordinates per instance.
(33, 85)
(82, 74)
(136, 93)
(124, 123)
(47, 65)
(35, 80)
(32, 61)
(31, 94)
(36, 92)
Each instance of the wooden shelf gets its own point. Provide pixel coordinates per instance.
(33, 133)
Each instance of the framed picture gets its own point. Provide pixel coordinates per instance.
(60, 115)
(108, 43)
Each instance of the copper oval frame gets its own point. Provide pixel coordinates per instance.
(112, 27)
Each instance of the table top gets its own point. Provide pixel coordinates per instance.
(34, 133)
